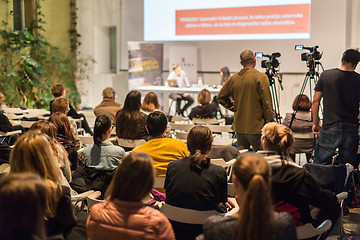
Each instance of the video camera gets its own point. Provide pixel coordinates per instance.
(272, 62)
(313, 55)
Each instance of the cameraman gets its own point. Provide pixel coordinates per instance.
(340, 88)
(247, 94)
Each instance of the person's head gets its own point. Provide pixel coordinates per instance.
(351, 56)
(60, 104)
(304, 104)
(132, 101)
(251, 180)
(247, 58)
(22, 206)
(108, 93)
(102, 128)
(63, 126)
(2, 97)
(177, 69)
(150, 102)
(199, 141)
(133, 178)
(32, 154)
(204, 96)
(58, 90)
(225, 72)
(156, 123)
(45, 127)
(276, 137)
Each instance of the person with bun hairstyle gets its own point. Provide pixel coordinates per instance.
(256, 218)
(103, 155)
(22, 207)
(123, 215)
(292, 185)
(195, 183)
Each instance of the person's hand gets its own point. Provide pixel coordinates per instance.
(229, 205)
(186, 94)
(316, 128)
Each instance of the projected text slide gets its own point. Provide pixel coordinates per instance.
(280, 19)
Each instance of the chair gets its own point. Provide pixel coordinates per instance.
(27, 124)
(227, 165)
(178, 118)
(86, 140)
(184, 215)
(181, 126)
(208, 121)
(8, 134)
(37, 113)
(5, 168)
(92, 199)
(128, 143)
(231, 191)
(308, 230)
(222, 140)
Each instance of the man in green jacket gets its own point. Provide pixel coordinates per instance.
(247, 94)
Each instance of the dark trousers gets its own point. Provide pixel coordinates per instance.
(189, 101)
(244, 141)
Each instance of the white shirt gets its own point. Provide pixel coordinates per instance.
(182, 80)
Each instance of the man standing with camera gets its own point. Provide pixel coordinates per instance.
(247, 94)
(340, 90)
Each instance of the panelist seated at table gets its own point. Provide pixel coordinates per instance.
(181, 81)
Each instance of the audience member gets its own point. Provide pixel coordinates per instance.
(123, 215)
(247, 94)
(103, 155)
(130, 122)
(162, 150)
(256, 219)
(23, 198)
(59, 151)
(32, 154)
(194, 183)
(108, 106)
(61, 104)
(57, 91)
(292, 185)
(225, 74)
(206, 109)
(65, 136)
(150, 103)
(304, 139)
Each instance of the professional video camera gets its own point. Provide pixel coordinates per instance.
(272, 62)
(314, 53)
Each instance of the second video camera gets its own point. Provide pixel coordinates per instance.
(272, 62)
(313, 54)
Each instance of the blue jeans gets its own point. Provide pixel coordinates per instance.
(342, 136)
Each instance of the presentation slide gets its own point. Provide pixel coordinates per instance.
(189, 20)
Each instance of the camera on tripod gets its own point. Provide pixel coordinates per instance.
(272, 62)
(314, 54)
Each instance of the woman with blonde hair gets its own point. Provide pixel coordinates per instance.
(293, 185)
(32, 154)
(195, 183)
(22, 207)
(256, 219)
(150, 103)
(123, 214)
(206, 109)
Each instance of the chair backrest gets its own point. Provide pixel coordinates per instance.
(92, 199)
(6, 134)
(181, 126)
(27, 124)
(15, 110)
(86, 140)
(128, 143)
(201, 121)
(159, 182)
(308, 230)
(227, 165)
(219, 128)
(184, 215)
(231, 191)
(37, 112)
(181, 135)
(177, 118)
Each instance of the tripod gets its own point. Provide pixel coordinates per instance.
(311, 76)
(270, 73)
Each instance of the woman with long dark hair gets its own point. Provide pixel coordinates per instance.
(150, 103)
(195, 183)
(256, 219)
(225, 74)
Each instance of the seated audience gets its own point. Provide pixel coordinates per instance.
(292, 185)
(206, 109)
(130, 122)
(304, 139)
(150, 103)
(23, 199)
(103, 155)
(65, 136)
(59, 151)
(162, 150)
(57, 91)
(62, 105)
(194, 183)
(32, 154)
(108, 106)
(256, 218)
(123, 215)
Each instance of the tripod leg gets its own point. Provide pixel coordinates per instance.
(275, 102)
